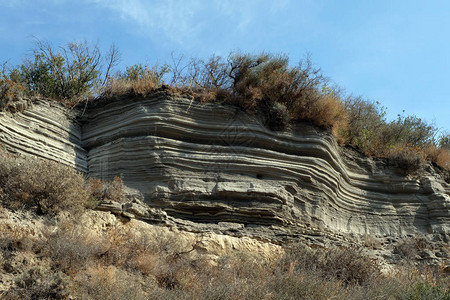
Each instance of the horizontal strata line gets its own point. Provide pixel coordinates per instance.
(195, 157)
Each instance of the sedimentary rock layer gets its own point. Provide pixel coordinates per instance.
(210, 163)
(46, 130)
(215, 166)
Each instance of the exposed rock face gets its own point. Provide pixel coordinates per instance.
(46, 130)
(213, 166)
(210, 163)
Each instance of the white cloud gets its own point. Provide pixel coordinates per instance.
(199, 26)
(174, 19)
(183, 21)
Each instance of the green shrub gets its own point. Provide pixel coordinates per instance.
(71, 73)
(409, 130)
(277, 116)
(366, 121)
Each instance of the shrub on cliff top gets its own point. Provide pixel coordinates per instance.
(70, 73)
(9, 89)
(137, 80)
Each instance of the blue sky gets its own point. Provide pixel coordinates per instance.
(395, 52)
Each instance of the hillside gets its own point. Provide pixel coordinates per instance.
(211, 169)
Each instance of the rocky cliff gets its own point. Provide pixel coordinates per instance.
(44, 129)
(213, 167)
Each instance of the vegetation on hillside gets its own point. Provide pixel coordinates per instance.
(265, 84)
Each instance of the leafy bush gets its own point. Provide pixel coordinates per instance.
(366, 121)
(409, 130)
(277, 116)
(70, 73)
(444, 141)
(406, 141)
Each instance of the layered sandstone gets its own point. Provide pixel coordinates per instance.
(214, 167)
(46, 130)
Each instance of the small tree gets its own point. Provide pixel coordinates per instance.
(409, 130)
(71, 73)
(10, 90)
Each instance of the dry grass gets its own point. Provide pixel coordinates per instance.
(328, 112)
(412, 159)
(137, 80)
(440, 156)
(138, 87)
(108, 282)
(407, 159)
(9, 91)
(125, 263)
(40, 282)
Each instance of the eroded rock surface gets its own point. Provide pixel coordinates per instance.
(213, 163)
(46, 130)
(213, 167)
